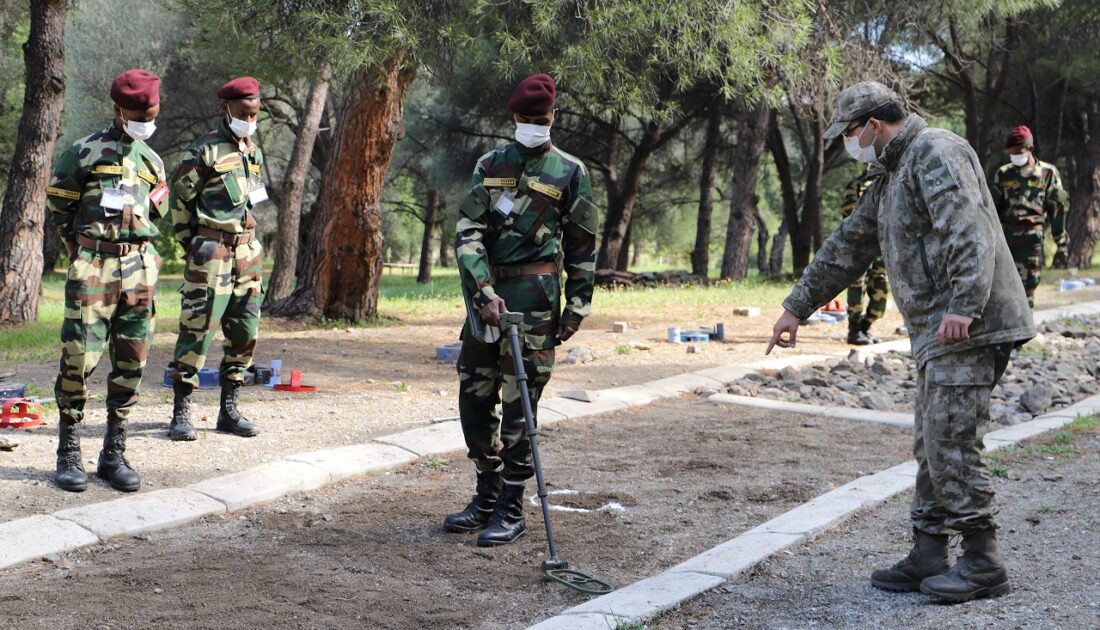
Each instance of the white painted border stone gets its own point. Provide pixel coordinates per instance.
(429, 440)
(262, 484)
(35, 536)
(346, 462)
(139, 513)
(894, 418)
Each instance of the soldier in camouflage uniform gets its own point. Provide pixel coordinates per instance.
(1028, 193)
(214, 192)
(932, 218)
(859, 322)
(106, 191)
(529, 206)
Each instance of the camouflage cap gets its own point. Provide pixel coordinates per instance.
(855, 101)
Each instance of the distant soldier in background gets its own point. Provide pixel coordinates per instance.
(106, 191)
(528, 214)
(1028, 195)
(213, 193)
(859, 321)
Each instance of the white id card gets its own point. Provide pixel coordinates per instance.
(505, 204)
(258, 194)
(113, 199)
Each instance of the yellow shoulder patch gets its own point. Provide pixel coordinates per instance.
(254, 168)
(545, 189)
(107, 169)
(61, 192)
(147, 176)
(499, 182)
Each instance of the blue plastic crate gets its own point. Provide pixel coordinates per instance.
(208, 378)
(448, 352)
(694, 337)
(12, 390)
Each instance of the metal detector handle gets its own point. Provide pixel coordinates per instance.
(512, 322)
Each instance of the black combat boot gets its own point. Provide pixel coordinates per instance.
(856, 337)
(507, 522)
(230, 418)
(980, 572)
(865, 328)
(113, 467)
(477, 514)
(927, 558)
(181, 429)
(70, 464)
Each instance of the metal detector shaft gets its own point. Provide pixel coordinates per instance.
(513, 321)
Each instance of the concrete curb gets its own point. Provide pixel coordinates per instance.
(894, 418)
(35, 536)
(651, 596)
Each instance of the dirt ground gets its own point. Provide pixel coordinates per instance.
(1049, 517)
(371, 382)
(371, 553)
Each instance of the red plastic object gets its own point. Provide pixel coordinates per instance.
(834, 307)
(14, 408)
(295, 384)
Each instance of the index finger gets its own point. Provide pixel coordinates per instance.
(771, 344)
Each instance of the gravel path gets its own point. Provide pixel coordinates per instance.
(1049, 498)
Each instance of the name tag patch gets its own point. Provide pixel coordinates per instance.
(545, 189)
(227, 165)
(106, 169)
(61, 192)
(499, 182)
(147, 176)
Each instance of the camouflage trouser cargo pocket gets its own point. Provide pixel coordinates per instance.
(954, 491)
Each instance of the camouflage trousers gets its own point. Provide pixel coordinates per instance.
(483, 371)
(1027, 253)
(221, 288)
(954, 492)
(109, 300)
(877, 289)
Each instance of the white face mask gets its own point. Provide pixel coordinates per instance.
(1021, 159)
(240, 128)
(532, 136)
(139, 130)
(863, 154)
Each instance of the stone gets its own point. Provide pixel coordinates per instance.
(637, 345)
(805, 391)
(750, 311)
(143, 512)
(1037, 399)
(7, 444)
(42, 535)
(619, 327)
(773, 392)
(879, 401)
(693, 349)
(790, 373)
(355, 460)
(816, 381)
(269, 481)
(578, 354)
(582, 395)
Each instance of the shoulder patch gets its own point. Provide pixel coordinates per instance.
(147, 176)
(937, 178)
(61, 192)
(226, 165)
(107, 169)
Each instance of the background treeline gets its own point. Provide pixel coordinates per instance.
(701, 120)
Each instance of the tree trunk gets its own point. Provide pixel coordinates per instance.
(1084, 211)
(620, 211)
(342, 280)
(636, 257)
(294, 184)
(761, 245)
(811, 198)
(624, 248)
(431, 218)
(779, 244)
(445, 244)
(23, 216)
(751, 138)
(790, 226)
(700, 255)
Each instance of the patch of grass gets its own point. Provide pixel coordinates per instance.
(629, 625)
(998, 470)
(1045, 509)
(1035, 351)
(436, 463)
(623, 348)
(794, 399)
(1083, 424)
(401, 388)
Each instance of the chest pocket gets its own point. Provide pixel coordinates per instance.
(229, 186)
(101, 177)
(542, 216)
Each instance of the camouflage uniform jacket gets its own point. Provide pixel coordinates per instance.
(211, 186)
(932, 218)
(527, 206)
(107, 159)
(1026, 197)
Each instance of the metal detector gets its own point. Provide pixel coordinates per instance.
(555, 568)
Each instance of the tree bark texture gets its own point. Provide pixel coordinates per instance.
(345, 247)
(762, 246)
(431, 219)
(294, 183)
(790, 226)
(446, 243)
(751, 139)
(23, 214)
(700, 254)
(620, 211)
(1083, 222)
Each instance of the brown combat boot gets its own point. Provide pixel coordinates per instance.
(927, 558)
(980, 572)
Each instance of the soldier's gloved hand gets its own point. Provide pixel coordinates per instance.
(491, 312)
(568, 325)
(953, 329)
(787, 323)
(1061, 260)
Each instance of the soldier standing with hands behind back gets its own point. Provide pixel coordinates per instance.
(529, 203)
(106, 191)
(932, 218)
(214, 192)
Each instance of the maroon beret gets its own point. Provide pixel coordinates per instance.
(1019, 137)
(241, 87)
(534, 96)
(136, 90)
